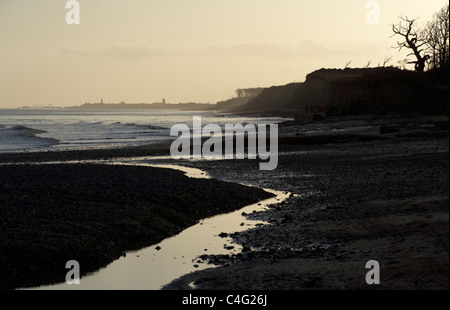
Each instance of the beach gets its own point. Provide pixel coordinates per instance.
(95, 213)
(368, 189)
(383, 200)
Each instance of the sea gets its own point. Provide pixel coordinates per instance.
(71, 129)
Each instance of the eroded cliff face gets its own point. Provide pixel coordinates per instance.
(357, 91)
(275, 98)
(231, 104)
(384, 90)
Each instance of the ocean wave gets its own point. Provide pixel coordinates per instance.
(127, 138)
(145, 126)
(156, 127)
(18, 138)
(51, 141)
(28, 131)
(89, 124)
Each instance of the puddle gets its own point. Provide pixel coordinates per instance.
(188, 171)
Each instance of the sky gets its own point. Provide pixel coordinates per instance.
(184, 50)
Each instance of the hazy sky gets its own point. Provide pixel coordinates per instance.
(184, 50)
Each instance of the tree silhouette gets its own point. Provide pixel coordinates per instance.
(436, 34)
(412, 39)
(386, 60)
(248, 92)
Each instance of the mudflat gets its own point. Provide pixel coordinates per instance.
(363, 188)
(382, 195)
(94, 213)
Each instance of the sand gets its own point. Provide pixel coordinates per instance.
(368, 189)
(384, 200)
(94, 213)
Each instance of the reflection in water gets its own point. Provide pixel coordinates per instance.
(153, 267)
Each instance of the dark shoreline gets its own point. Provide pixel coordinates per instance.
(380, 193)
(53, 213)
(384, 198)
(159, 149)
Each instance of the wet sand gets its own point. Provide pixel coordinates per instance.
(94, 213)
(370, 189)
(384, 200)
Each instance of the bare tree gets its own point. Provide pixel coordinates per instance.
(368, 64)
(248, 92)
(436, 34)
(347, 64)
(240, 93)
(412, 39)
(386, 60)
(403, 63)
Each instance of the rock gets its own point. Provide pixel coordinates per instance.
(317, 117)
(441, 125)
(223, 235)
(246, 248)
(385, 129)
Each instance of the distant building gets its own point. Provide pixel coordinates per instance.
(164, 101)
(101, 101)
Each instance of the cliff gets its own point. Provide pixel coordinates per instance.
(243, 96)
(358, 91)
(273, 98)
(231, 104)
